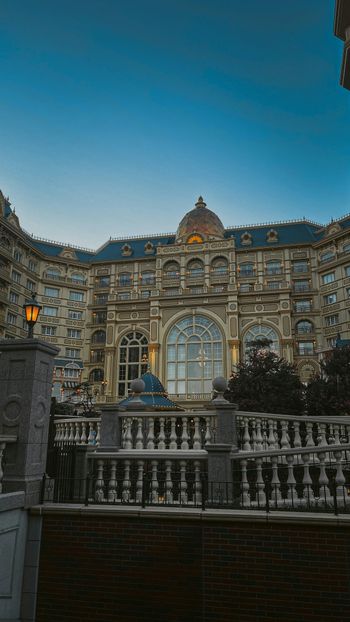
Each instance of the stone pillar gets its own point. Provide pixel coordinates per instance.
(26, 368)
(220, 472)
(110, 431)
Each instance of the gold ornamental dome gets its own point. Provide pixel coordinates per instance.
(199, 225)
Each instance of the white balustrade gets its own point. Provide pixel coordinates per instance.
(77, 431)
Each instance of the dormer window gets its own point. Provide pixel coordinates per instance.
(126, 250)
(149, 248)
(272, 236)
(246, 239)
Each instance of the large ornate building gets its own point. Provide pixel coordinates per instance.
(188, 303)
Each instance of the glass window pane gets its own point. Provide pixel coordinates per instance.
(194, 386)
(171, 387)
(181, 370)
(171, 371)
(181, 353)
(193, 350)
(171, 353)
(133, 354)
(181, 387)
(194, 370)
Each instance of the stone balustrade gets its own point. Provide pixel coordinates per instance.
(78, 431)
(311, 477)
(261, 431)
(5, 439)
(157, 477)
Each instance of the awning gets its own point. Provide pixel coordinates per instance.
(70, 384)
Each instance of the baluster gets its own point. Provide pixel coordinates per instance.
(339, 477)
(336, 434)
(309, 435)
(128, 434)
(173, 437)
(347, 433)
(168, 483)
(71, 433)
(276, 434)
(65, 433)
(308, 493)
(139, 434)
(99, 484)
(246, 435)
(275, 481)
(161, 443)
(126, 482)
(271, 437)
(91, 437)
(83, 433)
(154, 482)
(245, 484)
(291, 481)
(322, 442)
(112, 484)
(261, 497)
(57, 432)
(253, 434)
(98, 433)
(196, 435)
(184, 436)
(183, 482)
(77, 433)
(197, 483)
(325, 493)
(297, 437)
(258, 436)
(123, 432)
(284, 436)
(207, 437)
(139, 481)
(150, 435)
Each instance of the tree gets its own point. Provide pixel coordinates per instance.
(266, 383)
(329, 392)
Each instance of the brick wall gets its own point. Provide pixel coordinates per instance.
(129, 569)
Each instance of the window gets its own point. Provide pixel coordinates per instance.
(125, 279)
(300, 266)
(77, 296)
(99, 336)
(274, 284)
(327, 256)
(72, 353)
(102, 281)
(48, 330)
(328, 278)
(303, 327)
(31, 285)
(246, 287)
(331, 320)
(71, 372)
(96, 375)
(195, 268)
(124, 296)
(219, 267)
(306, 348)
(100, 299)
(264, 333)
(78, 278)
(53, 273)
(73, 333)
(148, 278)
(273, 267)
(99, 317)
(346, 248)
(301, 286)
(145, 293)
(51, 292)
(133, 356)
(332, 342)
(17, 255)
(196, 290)
(52, 311)
(14, 298)
(329, 299)
(246, 269)
(97, 356)
(16, 276)
(75, 315)
(194, 352)
(302, 306)
(32, 265)
(11, 319)
(347, 270)
(172, 270)
(348, 292)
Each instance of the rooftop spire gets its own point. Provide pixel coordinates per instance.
(200, 202)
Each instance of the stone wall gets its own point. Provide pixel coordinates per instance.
(202, 567)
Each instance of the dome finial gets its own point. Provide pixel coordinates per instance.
(200, 202)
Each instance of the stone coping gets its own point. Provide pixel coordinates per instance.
(11, 501)
(209, 515)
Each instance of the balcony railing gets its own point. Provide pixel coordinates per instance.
(64, 279)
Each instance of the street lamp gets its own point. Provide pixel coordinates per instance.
(31, 310)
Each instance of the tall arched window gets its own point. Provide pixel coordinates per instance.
(304, 326)
(96, 375)
(172, 270)
(99, 336)
(133, 360)
(195, 268)
(273, 267)
(194, 355)
(219, 266)
(261, 332)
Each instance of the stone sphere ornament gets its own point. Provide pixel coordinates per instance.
(137, 386)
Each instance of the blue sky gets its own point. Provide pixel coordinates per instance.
(115, 115)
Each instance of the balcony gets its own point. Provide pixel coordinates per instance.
(4, 296)
(5, 274)
(53, 278)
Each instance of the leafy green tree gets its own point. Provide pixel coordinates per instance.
(329, 392)
(266, 383)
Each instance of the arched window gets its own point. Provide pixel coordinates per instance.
(133, 358)
(96, 375)
(273, 267)
(78, 278)
(195, 268)
(304, 326)
(171, 270)
(261, 332)
(246, 269)
(53, 273)
(194, 353)
(328, 255)
(148, 278)
(125, 279)
(99, 336)
(219, 266)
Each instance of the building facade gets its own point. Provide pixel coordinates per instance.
(188, 304)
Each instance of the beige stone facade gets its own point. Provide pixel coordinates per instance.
(188, 304)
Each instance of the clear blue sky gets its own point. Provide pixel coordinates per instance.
(115, 115)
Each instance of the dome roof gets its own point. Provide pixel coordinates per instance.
(154, 395)
(201, 221)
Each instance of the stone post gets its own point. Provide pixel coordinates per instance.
(220, 473)
(26, 368)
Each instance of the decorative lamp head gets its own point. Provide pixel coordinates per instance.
(31, 310)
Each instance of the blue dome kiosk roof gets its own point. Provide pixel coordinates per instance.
(154, 396)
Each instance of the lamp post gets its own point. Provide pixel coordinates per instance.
(31, 310)
(103, 386)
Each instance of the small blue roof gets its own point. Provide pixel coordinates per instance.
(154, 395)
